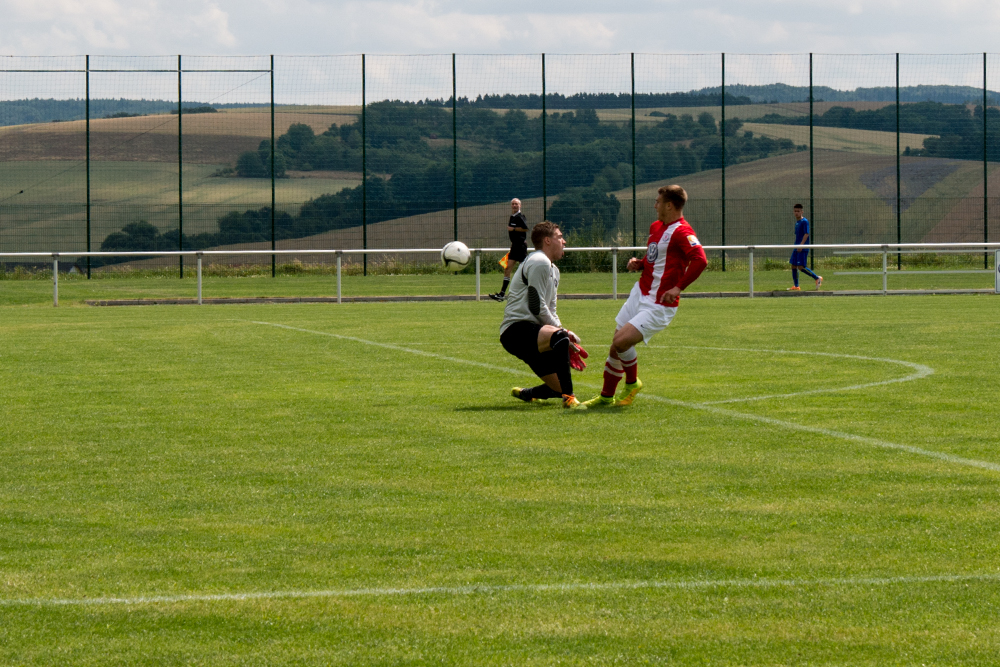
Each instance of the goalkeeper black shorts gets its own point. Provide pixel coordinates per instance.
(521, 340)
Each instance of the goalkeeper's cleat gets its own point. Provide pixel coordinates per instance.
(794, 289)
(819, 282)
(601, 402)
(516, 392)
(628, 393)
(570, 402)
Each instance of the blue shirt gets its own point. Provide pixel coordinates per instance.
(801, 229)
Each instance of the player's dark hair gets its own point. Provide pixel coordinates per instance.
(542, 231)
(797, 206)
(674, 194)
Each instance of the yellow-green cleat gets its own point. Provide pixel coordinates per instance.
(601, 402)
(570, 402)
(628, 393)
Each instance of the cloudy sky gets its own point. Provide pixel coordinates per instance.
(63, 27)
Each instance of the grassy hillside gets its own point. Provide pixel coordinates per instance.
(839, 139)
(134, 176)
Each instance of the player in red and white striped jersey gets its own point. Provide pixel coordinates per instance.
(674, 259)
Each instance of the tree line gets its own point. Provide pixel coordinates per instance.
(958, 129)
(500, 157)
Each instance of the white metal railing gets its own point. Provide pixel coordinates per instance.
(859, 248)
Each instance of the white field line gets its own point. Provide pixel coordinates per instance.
(488, 589)
(860, 439)
(921, 371)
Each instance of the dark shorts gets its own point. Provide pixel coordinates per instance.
(799, 258)
(521, 340)
(518, 253)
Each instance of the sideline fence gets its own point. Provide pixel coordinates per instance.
(434, 146)
(884, 250)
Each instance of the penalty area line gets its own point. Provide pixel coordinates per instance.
(920, 371)
(743, 416)
(488, 589)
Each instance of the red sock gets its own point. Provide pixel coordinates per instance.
(612, 376)
(631, 370)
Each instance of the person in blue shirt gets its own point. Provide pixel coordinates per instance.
(800, 256)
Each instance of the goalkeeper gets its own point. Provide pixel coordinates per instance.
(531, 330)
(517, 230)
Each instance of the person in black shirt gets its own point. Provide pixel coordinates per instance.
(517, 230)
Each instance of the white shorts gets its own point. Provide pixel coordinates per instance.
(649, 317)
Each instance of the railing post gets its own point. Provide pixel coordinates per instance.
(614, 273)
(340, 254)
(751, 272)
(199, 278)
(55, 280)
(996, 272)
(885, 270)
(477, 274)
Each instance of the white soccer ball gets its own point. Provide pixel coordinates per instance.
(455, 256)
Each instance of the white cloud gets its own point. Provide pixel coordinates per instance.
(476, 26)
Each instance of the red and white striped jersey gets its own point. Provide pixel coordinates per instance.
(674, 256)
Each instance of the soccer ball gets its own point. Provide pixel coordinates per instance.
(455, 256)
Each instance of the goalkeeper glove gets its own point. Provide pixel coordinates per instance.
(576, 356)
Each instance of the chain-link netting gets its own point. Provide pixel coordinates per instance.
(134, 158)
(317, 118)
(678, 116)
(43, 148)
(226, 147)
(941, 179)
(767, 162)
(499, 122)
(588, 145)
(866, 168)
(854, 143)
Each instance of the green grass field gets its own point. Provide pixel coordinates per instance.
(323, 484)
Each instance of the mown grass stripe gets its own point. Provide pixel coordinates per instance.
(487, 589)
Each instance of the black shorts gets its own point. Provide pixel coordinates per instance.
(521, 340)
(518, 253)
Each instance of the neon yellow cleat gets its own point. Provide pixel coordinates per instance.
(628, 393)
(570, 402)
(601, 402)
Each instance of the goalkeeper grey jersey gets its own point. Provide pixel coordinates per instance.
(532, 295)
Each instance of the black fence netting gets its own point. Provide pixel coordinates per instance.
(388, 151)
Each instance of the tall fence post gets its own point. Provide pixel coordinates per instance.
(812, 191)
(364, 172)
(478, 251)
(722, 136)
(545, 171)
(340, 254)
(273, 148)
(180, 167)
(634, 224)
(986, 173)
(199, 278)
(751, 272)
(87, 112)
(55, 280)
(899, 180)
(454, 145)
(996, 272)
(614, 273)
